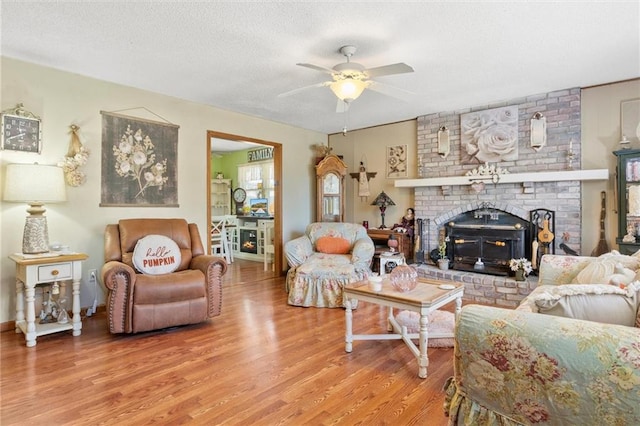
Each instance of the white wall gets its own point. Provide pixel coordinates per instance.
(62, 99)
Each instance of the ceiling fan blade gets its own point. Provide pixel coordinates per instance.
(394, 92)
(318, 68)
(301, 89)
(399, 68)
(342, 106)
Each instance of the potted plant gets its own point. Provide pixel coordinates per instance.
(443, 261)
(522, 267)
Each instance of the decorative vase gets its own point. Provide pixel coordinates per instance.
(392, 242)
(443, 264)
(404, 278)
(520, 275)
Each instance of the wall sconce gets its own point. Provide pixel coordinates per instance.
(443, 141)
(35, 185)
(570, 155)
(538, 131)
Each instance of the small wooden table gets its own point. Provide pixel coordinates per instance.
(427, 297)
(32, 270)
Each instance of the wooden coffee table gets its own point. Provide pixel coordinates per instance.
(427, 297)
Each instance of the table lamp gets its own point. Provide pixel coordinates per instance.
(382, 201)
(35, 185)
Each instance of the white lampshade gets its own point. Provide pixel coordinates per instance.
(34, 184)
(348, 89)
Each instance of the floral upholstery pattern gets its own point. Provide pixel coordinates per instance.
(514, 367)
(317, 279)
(558, 270)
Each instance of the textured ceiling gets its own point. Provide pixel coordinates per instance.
(240, 55)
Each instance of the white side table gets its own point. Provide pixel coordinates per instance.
(397, 258)
(37, 269)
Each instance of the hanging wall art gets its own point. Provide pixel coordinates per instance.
(489, 136)
(139, 162)
(397, 161)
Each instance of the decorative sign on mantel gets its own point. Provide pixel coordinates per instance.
(595, 174)
(260, 154)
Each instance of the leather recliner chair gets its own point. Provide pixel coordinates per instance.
(138, 302)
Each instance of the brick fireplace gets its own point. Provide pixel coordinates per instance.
(437, 205)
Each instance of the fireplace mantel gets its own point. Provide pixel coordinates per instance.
(596, 174)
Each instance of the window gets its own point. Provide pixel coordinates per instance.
(257, 180)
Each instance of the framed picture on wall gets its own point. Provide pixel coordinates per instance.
(489, 136)
(630, 120)
(139, 162)
(397, 161)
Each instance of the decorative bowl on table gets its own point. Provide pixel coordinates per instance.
(403, 278)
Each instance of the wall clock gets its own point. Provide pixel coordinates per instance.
(21, 130)
(239, 195)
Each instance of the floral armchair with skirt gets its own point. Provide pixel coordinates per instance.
(328, 256)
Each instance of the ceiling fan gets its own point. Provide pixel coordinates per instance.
(349, 79)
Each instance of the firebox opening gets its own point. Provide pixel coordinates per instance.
(484, 240)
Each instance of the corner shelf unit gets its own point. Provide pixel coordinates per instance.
(220, 197)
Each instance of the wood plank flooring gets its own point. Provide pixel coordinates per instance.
(262, 362)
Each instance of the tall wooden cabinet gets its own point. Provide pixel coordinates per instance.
(628, 200)
(330, 173)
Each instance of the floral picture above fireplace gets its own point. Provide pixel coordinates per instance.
(489, 136)
(139, 162)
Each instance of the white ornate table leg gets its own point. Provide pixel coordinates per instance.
(19, 304)
(458, 306)
(348, 317)
(77, 323)
(389, 318)
(30, 300)
(423, 360)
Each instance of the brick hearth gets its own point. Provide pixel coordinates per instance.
(482, 288)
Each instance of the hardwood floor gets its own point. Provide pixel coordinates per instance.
(260, 362)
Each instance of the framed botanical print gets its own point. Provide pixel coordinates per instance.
(21, 130)
(397, 161)
(139, 162)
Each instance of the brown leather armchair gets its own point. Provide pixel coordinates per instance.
(137, 302)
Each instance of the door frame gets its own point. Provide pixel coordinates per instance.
(277, 176)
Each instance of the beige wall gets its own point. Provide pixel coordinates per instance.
(600, 137)
(62, 98)
(369, 146)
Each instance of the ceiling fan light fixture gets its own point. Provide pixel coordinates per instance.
(348, 89)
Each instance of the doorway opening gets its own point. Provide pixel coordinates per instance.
(230, 153)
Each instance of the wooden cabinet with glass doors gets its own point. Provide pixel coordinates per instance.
(330, 174)
(628, 200)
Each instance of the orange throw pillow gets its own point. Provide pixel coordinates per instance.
(333, 245)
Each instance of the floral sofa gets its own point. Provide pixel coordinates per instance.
(328, 256)
(538, 364)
